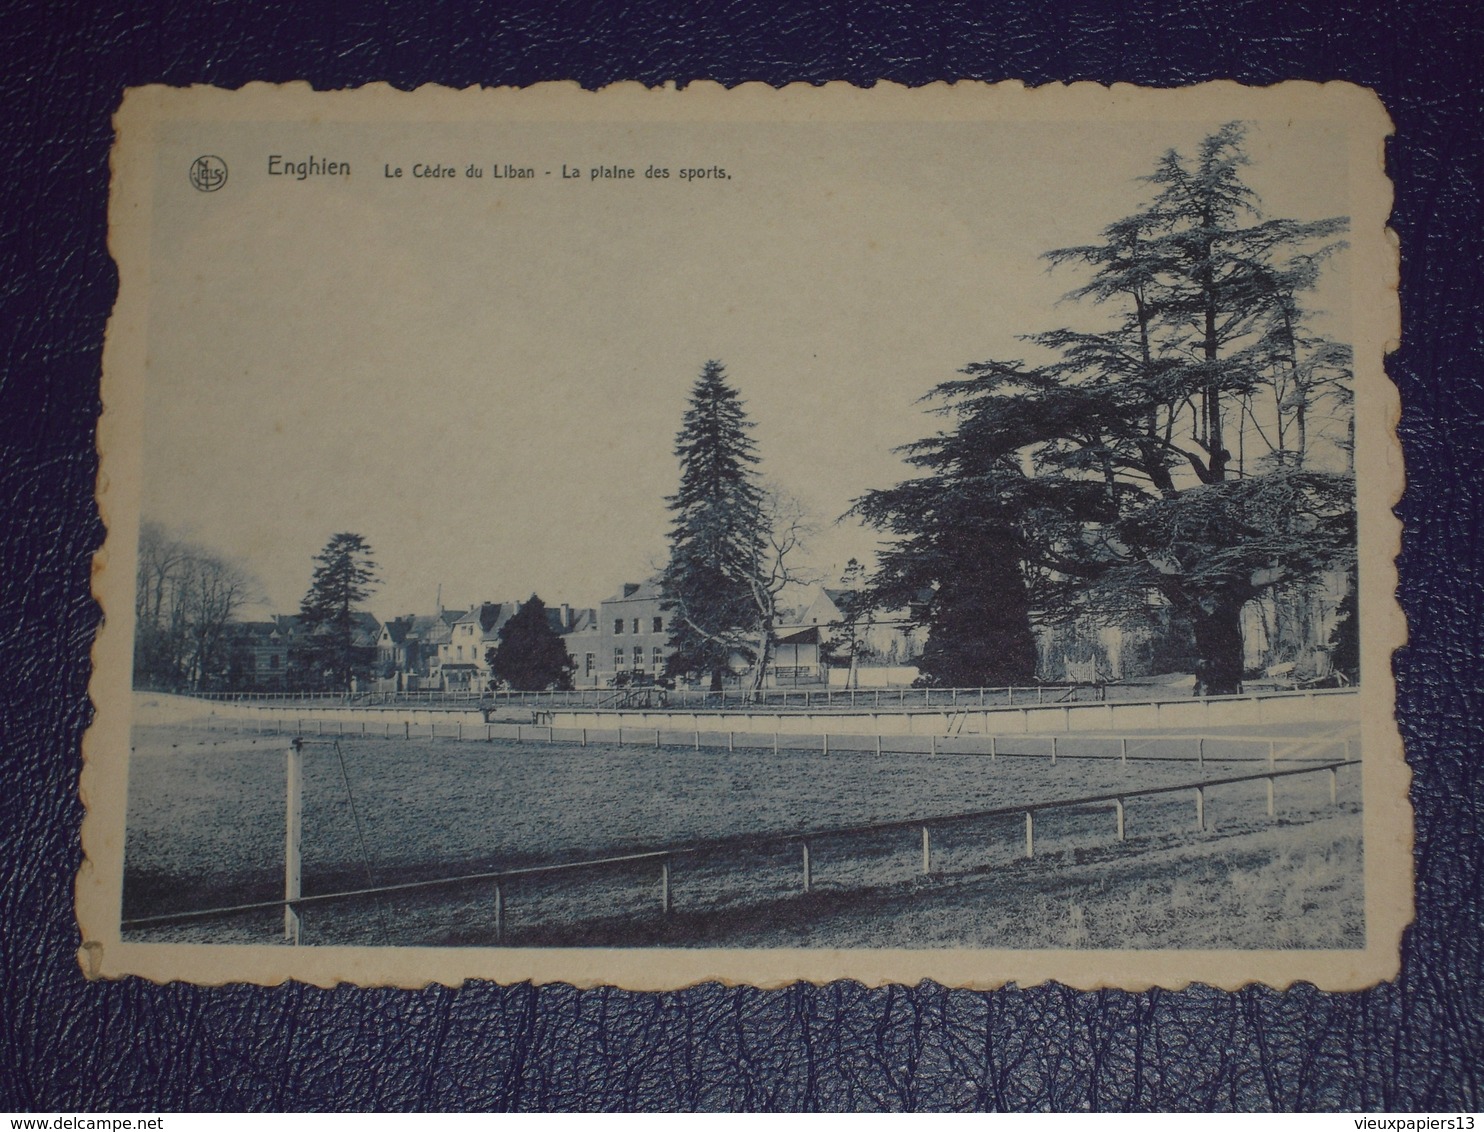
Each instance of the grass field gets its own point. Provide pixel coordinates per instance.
(205, 829)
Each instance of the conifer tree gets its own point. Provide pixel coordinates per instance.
(531, 656)
(344, 577)
(715, 532)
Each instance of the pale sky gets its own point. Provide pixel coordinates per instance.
(485, 377)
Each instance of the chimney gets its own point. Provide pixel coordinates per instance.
(566, 616)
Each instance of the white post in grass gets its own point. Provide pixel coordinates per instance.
(293, 831)
(1118, 807)
(665, 906)
(1030, 834)
(808, 872)
(927, 851)
(1200, 808)
(499, 912)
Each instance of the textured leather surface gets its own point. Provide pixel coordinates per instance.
(66, 1044)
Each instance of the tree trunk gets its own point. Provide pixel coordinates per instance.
(1218, 644)
(760, 672)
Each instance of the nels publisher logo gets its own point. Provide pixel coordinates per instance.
(208, 173)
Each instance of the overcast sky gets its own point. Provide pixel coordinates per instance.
(485, 377)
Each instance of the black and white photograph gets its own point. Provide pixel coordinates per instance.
(642, 536)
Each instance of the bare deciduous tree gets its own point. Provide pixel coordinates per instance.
(185, 597)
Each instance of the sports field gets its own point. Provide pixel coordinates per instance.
(206, 814)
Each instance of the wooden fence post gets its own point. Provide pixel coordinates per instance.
(1270, 797)
(826, 738)
(808, 873)
(878, 743)
(665, 886)
(407, 729)
(1118, 808)
(584, 736)
(1053, 750)
(1030, 834)
(293, 831)
(1334, 785)
(1200, 808)
(1123, 752)
(927, 851)
(993, 748)
(499, 911)
(731, 743)
(1200, 752)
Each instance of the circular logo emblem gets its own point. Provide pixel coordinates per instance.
(208, 173)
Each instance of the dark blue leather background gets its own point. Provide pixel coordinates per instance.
(66, 1044)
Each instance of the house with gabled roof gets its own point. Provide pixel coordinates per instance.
(408, 648)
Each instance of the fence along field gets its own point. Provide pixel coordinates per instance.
(525, 834)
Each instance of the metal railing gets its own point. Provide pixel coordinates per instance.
(802, 699)
(1201, 747)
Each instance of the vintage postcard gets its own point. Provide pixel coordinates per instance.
(640, 537)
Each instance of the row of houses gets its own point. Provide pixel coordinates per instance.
(625, 639)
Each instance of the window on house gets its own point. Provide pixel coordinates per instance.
(461, 652)
(618, 626)
(636, 624)
(638, 656)
(592, 662)
(618, 658)
(659, 625)
(659, 659)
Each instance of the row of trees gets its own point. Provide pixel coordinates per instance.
(1188, 454)
(185, 599)
(188, 600)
